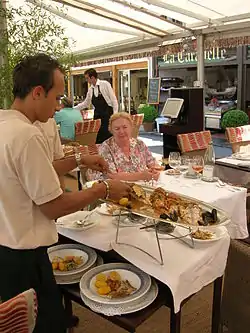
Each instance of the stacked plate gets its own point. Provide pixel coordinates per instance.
(89, 259)
(111, 304)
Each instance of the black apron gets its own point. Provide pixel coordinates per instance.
(102, 111)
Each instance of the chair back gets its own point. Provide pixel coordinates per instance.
(235, 307)
(194, 143)
(86, 131)
(239, 138)
(137, 120)
(19, 313)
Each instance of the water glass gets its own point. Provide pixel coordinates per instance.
(174, 160)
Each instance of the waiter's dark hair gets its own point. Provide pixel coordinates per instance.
(91, 72)
(33, 71)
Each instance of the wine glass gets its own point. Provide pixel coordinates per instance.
(198, 164)
(184, 165)
(174, 160)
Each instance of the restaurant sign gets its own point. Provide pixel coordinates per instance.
(213, 54)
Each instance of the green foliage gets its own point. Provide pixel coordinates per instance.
(150, 113)
(29, 31)
(234, 118)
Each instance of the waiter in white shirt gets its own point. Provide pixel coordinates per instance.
(30, 194)
(102, 97)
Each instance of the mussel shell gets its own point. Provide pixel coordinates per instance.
(174, 216)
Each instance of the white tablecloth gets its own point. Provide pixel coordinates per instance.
(233, 203)
(232, 175)
(185, 271)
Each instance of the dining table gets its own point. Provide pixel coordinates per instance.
(185, 269)
(233, 170)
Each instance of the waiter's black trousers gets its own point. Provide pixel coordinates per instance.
(21, 270)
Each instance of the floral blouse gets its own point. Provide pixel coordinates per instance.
(140, 158)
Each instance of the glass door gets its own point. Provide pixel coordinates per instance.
(124, 90)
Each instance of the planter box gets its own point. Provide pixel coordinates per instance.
(148, 127)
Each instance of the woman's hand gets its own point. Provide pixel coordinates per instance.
(150, 174)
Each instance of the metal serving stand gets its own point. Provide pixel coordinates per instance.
(155, 221)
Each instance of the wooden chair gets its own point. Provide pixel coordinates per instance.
(238, 137)
(194, 143)
(137, 120)
(86, 131)
(87, 114)
(18, 315)
(236, 291)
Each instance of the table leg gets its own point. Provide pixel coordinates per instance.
(217, 305)
(175, 321)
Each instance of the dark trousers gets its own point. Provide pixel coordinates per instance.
(24, 269)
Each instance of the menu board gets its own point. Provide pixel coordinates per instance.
(154, 85)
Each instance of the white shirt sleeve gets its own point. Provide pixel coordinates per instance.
(86, 102)
(36, 173)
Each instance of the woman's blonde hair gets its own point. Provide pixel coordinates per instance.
(119, 115)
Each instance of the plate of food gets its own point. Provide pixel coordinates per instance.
(173, 172)
(123, 308)
(115, 283)
(70, 259)
(202, 235)
(72, 279)
(78, 221)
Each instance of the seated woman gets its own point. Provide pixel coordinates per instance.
(127, 158)
(66, 118)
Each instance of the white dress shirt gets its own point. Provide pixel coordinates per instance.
(27, 180)
(106, 91)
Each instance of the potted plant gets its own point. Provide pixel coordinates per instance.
(150, 114)
(234, 118)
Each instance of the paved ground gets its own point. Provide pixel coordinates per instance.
(155, 143)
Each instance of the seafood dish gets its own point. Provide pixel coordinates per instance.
(202, 234)
(160, 204)
(112, 285)
(173, 207)
(67, 263)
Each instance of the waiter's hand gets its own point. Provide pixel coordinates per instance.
(118, 189)
(95, 162)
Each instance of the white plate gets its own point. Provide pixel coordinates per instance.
(138, 279)
(103, 210)
(89, 257)
(69, 221)
(172, 172)
(242, 156)
(218, 233)
(123, 308)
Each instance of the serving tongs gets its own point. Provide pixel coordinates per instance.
(162, 227)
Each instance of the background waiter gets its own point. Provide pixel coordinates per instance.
(103, 98)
